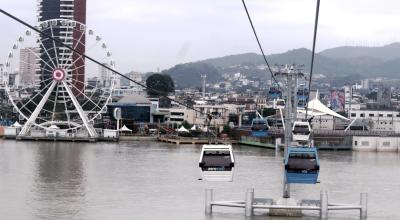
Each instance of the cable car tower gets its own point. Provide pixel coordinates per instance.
(301, 158)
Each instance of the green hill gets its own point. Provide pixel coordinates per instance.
(189, 74)
(340, 62)
(384, 53)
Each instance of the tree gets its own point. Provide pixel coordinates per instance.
(6, 111)
(372, 96)
(160, 82)
(186, 124)
(233, 118)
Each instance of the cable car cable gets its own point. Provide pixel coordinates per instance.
(97, 62)
(313, 54)
(259, 44)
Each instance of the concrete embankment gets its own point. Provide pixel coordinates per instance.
(137, 138)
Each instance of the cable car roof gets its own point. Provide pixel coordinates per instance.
(302, 149)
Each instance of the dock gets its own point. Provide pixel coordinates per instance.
(257, 144)
(288, 207)
(184, 140)
(137, 138)
(66, 139)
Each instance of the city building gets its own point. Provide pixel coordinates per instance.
(105, 76)
(378, 120)
(74, 37)
(134, 108)
(177, 115)
(220, 113)
(27, 65)
(125, 87)
(365, 84)
(137, 77)
(348, 95)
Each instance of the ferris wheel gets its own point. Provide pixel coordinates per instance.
(52, 87)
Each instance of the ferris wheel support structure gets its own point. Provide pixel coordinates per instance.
(25, 129)
(92, 132)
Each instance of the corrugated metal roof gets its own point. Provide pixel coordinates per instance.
(134, 99)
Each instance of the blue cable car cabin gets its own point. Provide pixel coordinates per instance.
(302, 96)
(274, 92)
(302, 165)
(259, 127)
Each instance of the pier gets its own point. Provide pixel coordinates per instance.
(182, 140)
(69, 139)
(321, 133)
(251, 203)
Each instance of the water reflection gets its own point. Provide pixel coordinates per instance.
(59, 180)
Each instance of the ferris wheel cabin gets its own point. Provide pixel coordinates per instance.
(217, 163)
(302, 165)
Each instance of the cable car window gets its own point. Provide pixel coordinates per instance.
(302, 162)
(259, 122)
(216, 161)
(303, 129)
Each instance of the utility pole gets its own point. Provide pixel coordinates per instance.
(204, 76)
(1, 75)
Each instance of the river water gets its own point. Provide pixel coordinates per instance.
(157, 181)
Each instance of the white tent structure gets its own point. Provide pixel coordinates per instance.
(316, 108)
(16, 124)
(183, 129)
(54, 127)
(204, 129)
(125, 129)
(194, 128)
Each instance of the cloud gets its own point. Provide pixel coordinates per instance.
(144, 35)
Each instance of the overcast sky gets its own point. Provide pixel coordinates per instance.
(144, 35)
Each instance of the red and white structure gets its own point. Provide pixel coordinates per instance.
(60, 98)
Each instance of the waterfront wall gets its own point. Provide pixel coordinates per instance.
(379, 144)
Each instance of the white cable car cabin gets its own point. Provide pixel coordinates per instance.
(301, 131)
(217, 163)
(279, 103)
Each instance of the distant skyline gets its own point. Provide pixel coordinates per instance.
(146, 35)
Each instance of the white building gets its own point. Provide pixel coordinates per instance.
(365, 84)
(124, 87)
(27, 65)
(124, 91)
(348, 95)
(220, 113)
(378, 120)
(137, 77)
(175, 115)
(105, 76)
(323, 122)
(380, 144)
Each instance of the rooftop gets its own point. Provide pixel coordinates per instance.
(133, 99)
